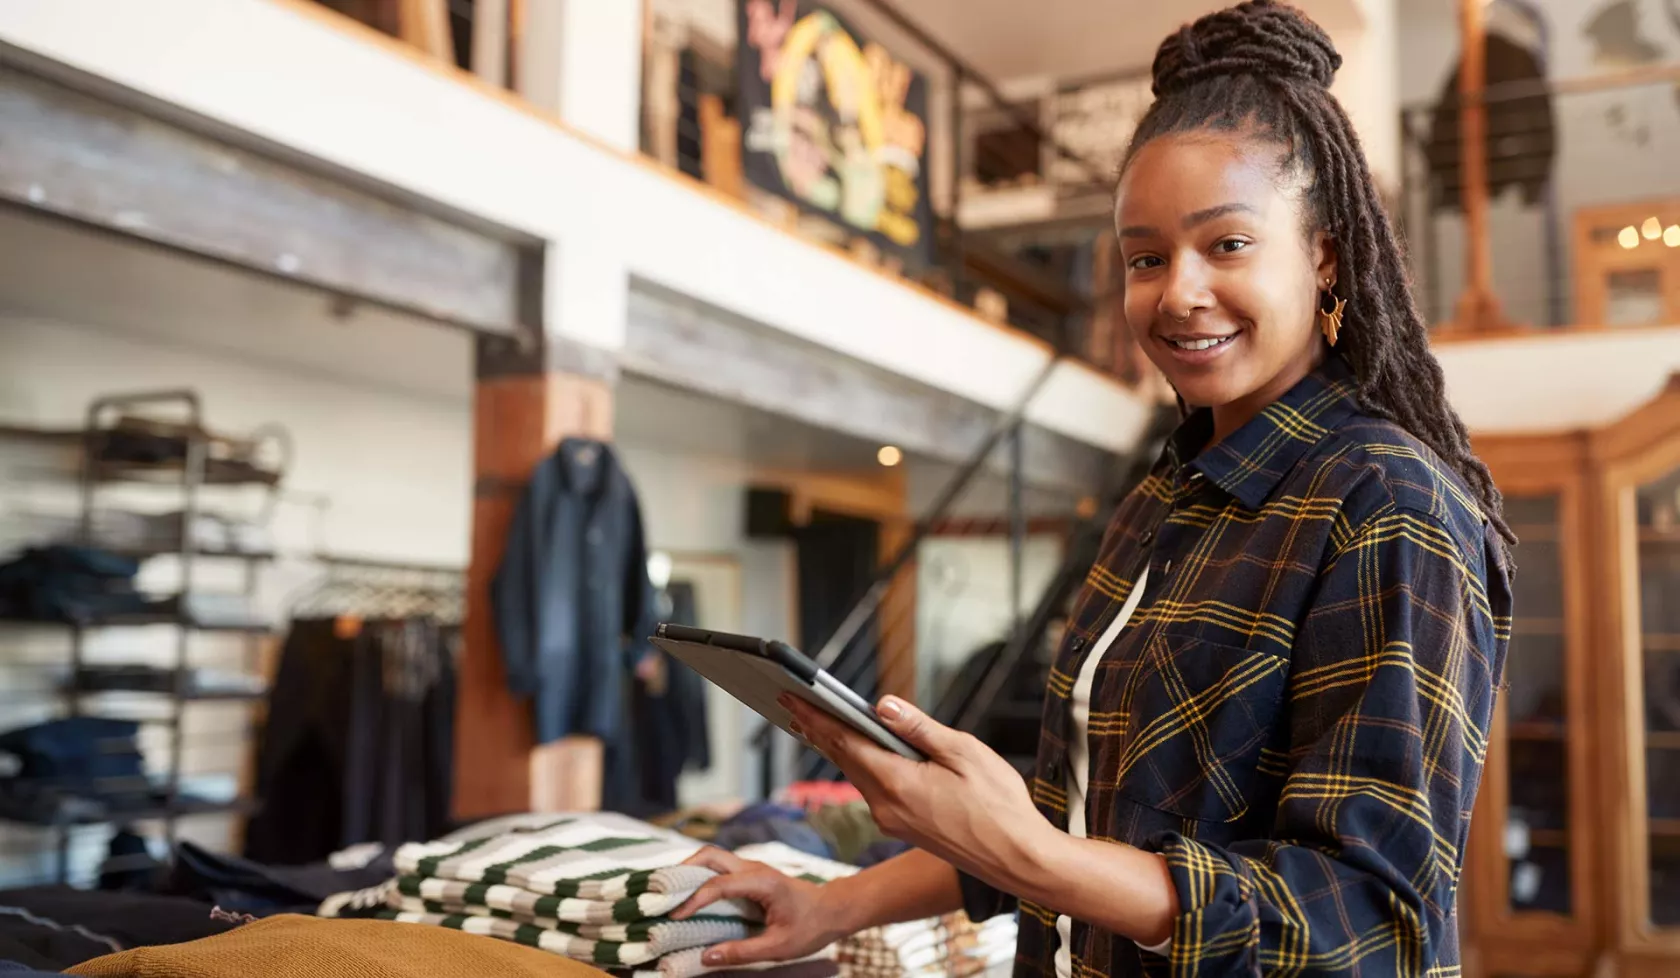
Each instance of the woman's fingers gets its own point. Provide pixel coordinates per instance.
(768, 946)
(759, 887)
(717, 860)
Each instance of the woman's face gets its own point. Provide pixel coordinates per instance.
(1221, 283)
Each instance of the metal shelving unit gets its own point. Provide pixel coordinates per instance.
(194, 460)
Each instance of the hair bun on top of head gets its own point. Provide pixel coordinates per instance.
(1259, 38)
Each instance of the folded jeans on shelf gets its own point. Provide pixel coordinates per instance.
(62, 583)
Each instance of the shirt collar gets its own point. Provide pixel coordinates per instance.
(1251, 462)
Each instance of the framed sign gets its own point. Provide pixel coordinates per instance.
(834, 123)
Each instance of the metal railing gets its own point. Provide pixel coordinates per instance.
(1583, 200)
(892, 636)
(970, 598)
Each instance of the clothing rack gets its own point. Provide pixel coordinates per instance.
(378, 588)
(359, 741)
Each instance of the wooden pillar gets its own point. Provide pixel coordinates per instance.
(425, 24)
(490, 41)
(896, 665)
(530, 394)
(1478, 306)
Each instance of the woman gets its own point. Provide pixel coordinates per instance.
(1264, 730)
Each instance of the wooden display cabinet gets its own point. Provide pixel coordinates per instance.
(1637, 475)
(1573, 866)
(1531, 863)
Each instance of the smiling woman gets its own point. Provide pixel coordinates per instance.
(1264, 729)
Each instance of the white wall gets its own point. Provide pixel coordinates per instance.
(963, 599)
(1368, 86)
(695, 507)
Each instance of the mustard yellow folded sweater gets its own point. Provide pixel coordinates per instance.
(305, 947)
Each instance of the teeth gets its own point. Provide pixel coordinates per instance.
(1199, 344)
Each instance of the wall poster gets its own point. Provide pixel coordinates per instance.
(834, 123)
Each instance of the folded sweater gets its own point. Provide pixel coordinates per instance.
(574, 856)
(642, 944)
(290, 946)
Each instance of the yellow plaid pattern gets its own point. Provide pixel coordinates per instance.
(1296, 716)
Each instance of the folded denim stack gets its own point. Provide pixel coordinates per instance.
(594, 888)
(951, 945)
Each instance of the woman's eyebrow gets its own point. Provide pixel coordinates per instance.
(1198, 217)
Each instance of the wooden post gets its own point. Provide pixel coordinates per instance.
(1478, 307)
(523, 407)
(425, 24)
(490, 41)
(896, 665)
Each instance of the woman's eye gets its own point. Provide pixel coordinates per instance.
(1142, 262)
(1230, 245)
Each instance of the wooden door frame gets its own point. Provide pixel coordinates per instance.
(1625, 455)
(1543, 465)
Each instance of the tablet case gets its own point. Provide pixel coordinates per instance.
(756, 671)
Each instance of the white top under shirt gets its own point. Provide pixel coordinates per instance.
(1079, 760)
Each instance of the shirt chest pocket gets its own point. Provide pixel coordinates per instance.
(1199, 717)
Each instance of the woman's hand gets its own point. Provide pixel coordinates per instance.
(964, 804)
(797, 919)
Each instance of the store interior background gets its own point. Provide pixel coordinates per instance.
(1572, 392)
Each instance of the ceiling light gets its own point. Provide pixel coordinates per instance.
(1671, 237)
(889, 456)
(1629, 238)
(1652, 229)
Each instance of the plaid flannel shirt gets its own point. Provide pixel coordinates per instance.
(1297, 714)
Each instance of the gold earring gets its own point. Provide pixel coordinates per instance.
(1330, 320)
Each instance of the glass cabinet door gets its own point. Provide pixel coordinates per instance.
(1657, 503)
(1536, 837)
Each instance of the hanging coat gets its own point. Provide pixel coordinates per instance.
(572, 602)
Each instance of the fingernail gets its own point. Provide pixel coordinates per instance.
(712, 957)
(890, 708)
(795, 729)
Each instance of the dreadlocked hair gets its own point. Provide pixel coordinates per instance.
(1263, 68)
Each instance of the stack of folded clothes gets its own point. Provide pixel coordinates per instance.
(594, 888)
(951, 945)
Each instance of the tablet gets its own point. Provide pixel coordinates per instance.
(756, 671)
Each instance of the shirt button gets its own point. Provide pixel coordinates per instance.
(1148, 535)
(1053, 770)
(1166, 568)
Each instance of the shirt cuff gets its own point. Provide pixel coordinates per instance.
(1164, 949)
(982, 901)
(1216, 899)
